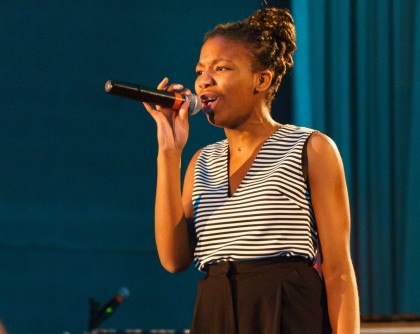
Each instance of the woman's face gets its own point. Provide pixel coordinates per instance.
(225, 82)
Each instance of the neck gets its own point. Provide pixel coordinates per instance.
(248, 138)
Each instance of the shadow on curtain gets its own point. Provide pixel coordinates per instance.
(357, 79)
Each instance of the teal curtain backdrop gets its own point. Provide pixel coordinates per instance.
(357, 78)
(78, 167)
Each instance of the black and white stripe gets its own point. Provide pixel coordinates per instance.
(270, 214)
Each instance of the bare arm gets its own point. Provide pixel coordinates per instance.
(331, 206)
(174, 241)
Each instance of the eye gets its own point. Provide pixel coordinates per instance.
(198, 72)
(221, 68)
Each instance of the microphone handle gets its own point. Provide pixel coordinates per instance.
(136, 92)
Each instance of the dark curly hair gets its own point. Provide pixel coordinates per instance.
(270, 36)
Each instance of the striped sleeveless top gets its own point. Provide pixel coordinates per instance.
(269, 215)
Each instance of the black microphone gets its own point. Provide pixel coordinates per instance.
(108, 309)
(160, 98)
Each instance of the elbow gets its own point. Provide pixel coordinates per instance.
(174, 268)
(175, 259)
(175, 265)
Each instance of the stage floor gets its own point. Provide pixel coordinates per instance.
(390, 328)
(366, 328)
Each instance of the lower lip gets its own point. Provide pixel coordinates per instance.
(209, 108)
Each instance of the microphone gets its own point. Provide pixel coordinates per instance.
(161, 98)
(108, 309)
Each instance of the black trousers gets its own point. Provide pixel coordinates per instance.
(274, 296)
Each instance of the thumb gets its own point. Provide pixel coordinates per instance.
(183, 111)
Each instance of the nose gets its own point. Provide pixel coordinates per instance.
(204, 80)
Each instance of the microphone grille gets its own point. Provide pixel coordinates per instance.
(195, 105)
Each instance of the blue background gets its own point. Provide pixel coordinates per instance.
(78, 167)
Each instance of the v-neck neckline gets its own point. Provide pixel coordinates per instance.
(238, 188)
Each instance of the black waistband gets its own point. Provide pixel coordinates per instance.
(247, 266)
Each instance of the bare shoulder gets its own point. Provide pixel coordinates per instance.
(189, 175)
(322, 149)
(321, 144)
(194, 159)
(323, 157)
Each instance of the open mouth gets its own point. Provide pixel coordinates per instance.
(208, 101)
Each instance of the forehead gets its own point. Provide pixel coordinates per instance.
(220, 48)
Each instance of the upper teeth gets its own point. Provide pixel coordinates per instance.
(209, 99)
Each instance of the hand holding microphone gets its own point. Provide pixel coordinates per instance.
(173, 128)
(171, 100)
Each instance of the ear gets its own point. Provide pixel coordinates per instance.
(264, 79)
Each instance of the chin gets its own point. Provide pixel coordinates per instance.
(211, 117)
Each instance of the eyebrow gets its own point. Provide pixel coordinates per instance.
(215, 61)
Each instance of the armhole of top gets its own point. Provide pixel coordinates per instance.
(318, 255)
(305, 163)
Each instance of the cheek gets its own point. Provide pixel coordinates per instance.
(242, 92)
(196, 86)
(244, 85)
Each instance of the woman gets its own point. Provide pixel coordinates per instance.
(255, 207)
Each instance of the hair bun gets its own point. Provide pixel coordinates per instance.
(276, 25)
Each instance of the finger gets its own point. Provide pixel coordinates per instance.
(174, 86)
(186, 91)
(163, 83)
(150, 108)
(157, 112)
(183, 111)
